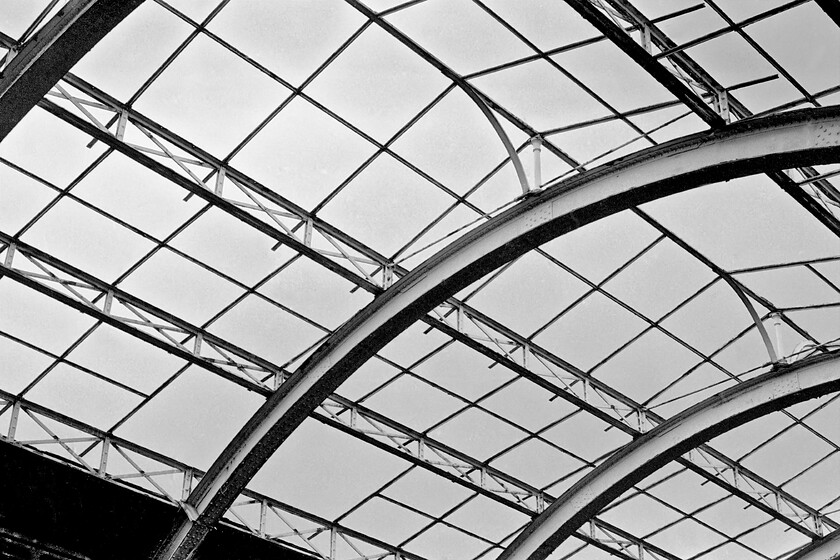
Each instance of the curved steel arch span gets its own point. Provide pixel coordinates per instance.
(45, 58)
(785, 386)
(807, 137)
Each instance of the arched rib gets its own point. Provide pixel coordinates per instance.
(807, 137)
(52, 51)
(827, 548)
(778, 389)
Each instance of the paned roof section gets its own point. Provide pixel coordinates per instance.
(218, 186)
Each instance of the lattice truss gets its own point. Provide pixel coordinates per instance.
(476, 420)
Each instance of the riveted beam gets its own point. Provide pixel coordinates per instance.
(780, 141)
(773, 391)
(50, 53)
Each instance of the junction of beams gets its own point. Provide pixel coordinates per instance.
(778, 142)
(778, 389)
(50, 53)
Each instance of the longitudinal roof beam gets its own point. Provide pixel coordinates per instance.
(50, 53)
(773, 391)
(779, 141)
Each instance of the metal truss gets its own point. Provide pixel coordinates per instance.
(743, 148)
(30, 70)
(783, 387)
(104, 302)
(666, 62)
(453, 317)
(827, 548)
(120, 461)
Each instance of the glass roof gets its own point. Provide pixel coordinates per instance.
(346, 151)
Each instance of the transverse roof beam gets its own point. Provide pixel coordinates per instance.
(50, 53)
(779, 141)
(778, 389)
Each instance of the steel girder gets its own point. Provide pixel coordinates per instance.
(681, 81)
(827, 548)
(778, 142)
(52, 51)
(778, 389)
(361, 265)
(107, 303)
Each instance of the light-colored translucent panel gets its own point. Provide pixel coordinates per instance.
(740, 10)
(615, 77)
(459, 33)
(478, 434)
(454, 143)
(687, 491)
(659, 280)
(137, 195)
(87, 240)
(819, 486)
(822, 324)
(590, 331)
(315, 292)
(303, 154)
(737, 442)
(827, 420)
(783, 37)
(377, 84)
(487, 518)
(688, 26)
(529, 293)
(546, 24)
(536, 463)
(21, 364)
(230, 246)
(463, 371)
(386, 205)
(385, 520)
(265, 330)
(768, 95)
(787, 455)
(831, 270)
(311, 32)
(328, 477)
(541, 95)
(669, 123)
(193, 418)
(413, 403)
(49, 148)
(690, 389)
(731, 517)
(711, 319)
(19, 14)
(21, 198)
(211, 96)
(600, 439)
(790, 287)
(731, 60)
(39, 319)
(127, 56)
(597, 249)
(656, 8)
(427, 492)
(126, 359)
(771, 539)
(196, 10)
(445, 542)
(748, 352)
(371, 375)
(597, 144)
(744, 222)
(454, 224)
(413, 344)
(527, 404)
(687, 538)
(81, 396)
(639, 515)
(180, 287)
